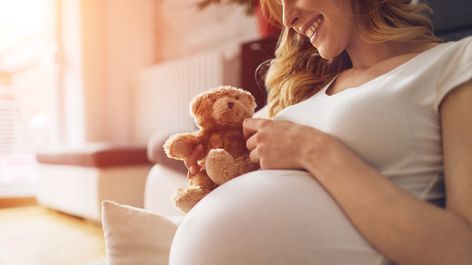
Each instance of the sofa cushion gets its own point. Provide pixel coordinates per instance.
(136, 236)
(96, 155)
(157, 155)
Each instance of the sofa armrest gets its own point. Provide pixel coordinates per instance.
(156, 154)
(161, 184)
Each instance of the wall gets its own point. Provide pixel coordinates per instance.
(93, 70)
(120, 37)
(130, 37)
(184, 29)
(116, 38)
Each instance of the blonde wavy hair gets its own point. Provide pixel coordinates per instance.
(297, 72)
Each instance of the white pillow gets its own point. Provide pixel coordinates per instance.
(136, 236)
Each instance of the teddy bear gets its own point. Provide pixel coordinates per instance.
(219, 114)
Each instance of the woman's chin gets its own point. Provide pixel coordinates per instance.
(324, 53)
(327, 54)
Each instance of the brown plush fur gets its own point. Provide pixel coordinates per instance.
(219, 114)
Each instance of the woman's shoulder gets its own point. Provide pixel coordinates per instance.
(459, 47)
(458, 53)
(466, 41)
(454, 55)
(453, 67)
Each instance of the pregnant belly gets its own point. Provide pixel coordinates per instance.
(270, 217)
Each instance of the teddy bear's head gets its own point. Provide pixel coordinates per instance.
(224, 106)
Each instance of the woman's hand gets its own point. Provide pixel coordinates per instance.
(191, 162)
(283, 144)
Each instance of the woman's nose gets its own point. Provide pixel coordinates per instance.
(290, 14)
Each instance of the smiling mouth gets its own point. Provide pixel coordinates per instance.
(313, 29)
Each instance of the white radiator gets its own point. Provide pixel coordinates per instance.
(163, 92)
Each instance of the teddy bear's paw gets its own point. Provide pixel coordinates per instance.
(245, 165)
(180, 149)
(219, 153)
(186, 198)
(219, 166)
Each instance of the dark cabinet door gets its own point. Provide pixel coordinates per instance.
(254, 53)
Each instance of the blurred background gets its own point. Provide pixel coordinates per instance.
(69, 70)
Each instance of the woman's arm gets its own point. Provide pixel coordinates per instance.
(456, 116)
(402, 227)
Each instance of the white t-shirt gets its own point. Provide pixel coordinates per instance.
(393, 121)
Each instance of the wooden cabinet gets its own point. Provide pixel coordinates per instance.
(253, 54)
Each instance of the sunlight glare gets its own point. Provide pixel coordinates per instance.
(20, 20)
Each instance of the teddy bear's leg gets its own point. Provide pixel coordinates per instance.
(220, 166)
(199, 185)
(245, 165)
(201, 179)
(186, 198)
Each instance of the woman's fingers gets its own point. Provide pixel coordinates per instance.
(187, 163)
(251, 130)
(251, 126)
(254, 156)
(251, 142)
(191, 161)
(196, 153)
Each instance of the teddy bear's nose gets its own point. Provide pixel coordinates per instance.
(230, 105)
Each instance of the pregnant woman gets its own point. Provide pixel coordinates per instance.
(371, 130)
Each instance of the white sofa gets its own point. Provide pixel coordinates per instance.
(76, 180)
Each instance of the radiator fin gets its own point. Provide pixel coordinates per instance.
(163, 92)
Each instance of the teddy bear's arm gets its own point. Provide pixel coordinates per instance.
(180, 146)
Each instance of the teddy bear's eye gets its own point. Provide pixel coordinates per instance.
(237, 97)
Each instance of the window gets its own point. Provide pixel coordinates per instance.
(27, 90)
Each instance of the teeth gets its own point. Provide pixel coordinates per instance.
(312, 29)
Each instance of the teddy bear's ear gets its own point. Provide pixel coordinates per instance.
(249, 98)
(195, 104)
(253, 101)
(201, 107)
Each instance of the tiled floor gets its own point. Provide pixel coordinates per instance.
(36, 236)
